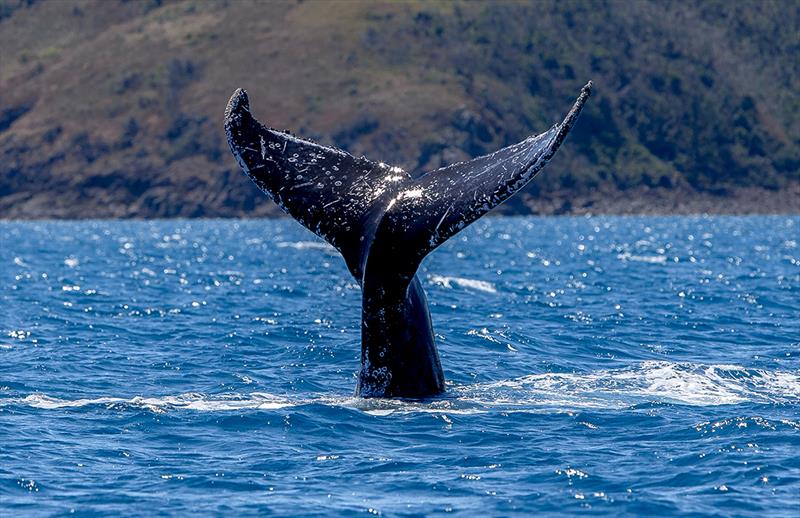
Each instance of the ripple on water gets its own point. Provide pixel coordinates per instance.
(637, 366)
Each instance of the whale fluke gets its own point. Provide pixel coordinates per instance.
(328, 190)
(384, 222)
(429, 210)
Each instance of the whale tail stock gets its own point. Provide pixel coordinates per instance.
(384, 222)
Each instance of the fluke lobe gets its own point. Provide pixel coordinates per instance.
(384, 222)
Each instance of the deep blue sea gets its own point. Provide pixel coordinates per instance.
(609, 365)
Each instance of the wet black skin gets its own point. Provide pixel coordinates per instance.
(384, 222)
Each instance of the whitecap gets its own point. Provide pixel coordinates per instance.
(188, 401)
(652, 259)
(650, 381)
(474, 284)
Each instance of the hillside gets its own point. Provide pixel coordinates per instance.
(113, 108)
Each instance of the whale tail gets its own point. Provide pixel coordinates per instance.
(345, 199)
(384, 222)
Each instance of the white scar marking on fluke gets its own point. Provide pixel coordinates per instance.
(263, 148)
(436, 230)
(411, 193)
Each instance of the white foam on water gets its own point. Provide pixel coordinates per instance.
(653, 259)
(651, 381)
(473, 284)
(189, 401)
(235, 402)
(384, 407)
(646, 382)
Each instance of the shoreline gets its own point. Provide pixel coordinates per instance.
(490, 215)
(604, 201)
(659, 201)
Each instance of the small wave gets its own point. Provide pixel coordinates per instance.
(658, 382)
(647, 382)
(233, 402)
(189, 401)
(653, 259)
(474, 284)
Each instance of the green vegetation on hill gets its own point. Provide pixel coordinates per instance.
(113, 108)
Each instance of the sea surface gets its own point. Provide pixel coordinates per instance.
(603, 365)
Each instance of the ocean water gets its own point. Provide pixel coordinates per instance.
(609, 365)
